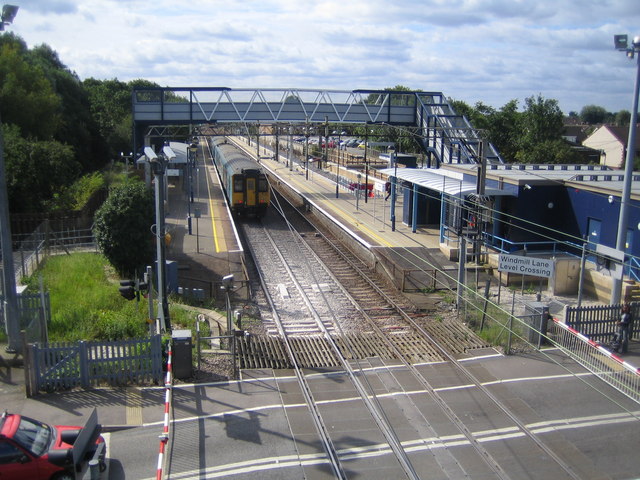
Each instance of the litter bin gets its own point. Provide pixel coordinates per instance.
(537, 315)
(182, 354)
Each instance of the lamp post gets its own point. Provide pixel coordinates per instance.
(366, 163)
(307, 133)
(158, 166)
(337, 166)
(125, 159)
(621, 43)
(394, 161)
(12, 319)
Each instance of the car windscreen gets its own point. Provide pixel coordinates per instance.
(34, 436)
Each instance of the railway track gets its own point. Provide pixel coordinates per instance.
(356, 316)
(307, 303)
(374, 318)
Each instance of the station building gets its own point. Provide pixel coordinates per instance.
(544, 210)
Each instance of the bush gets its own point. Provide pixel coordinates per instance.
(122, 227)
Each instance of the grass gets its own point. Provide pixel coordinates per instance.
(86, 303)
(495, 327)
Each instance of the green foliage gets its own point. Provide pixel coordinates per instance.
(27, 98)
(623, 118)
(35, 169)
(593, 114)
(540, 121)
(77, 127)
(122, 227)
(110, 104)
(85, 302)
(81, 125)
(533, 135)
(548, 152)
(76, 196)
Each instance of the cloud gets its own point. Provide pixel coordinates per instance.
(58, 7)
(477, 50)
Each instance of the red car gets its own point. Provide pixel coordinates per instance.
(32, 450)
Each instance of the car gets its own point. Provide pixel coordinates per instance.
(34, 450)
(361, 186)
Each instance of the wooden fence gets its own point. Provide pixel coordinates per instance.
(599, 322)
(60, 366)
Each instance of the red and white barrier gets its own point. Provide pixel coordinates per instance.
(599, 347)
(164, 438)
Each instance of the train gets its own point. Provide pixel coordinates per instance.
(244, 181)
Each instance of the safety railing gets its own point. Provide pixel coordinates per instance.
(597, 359)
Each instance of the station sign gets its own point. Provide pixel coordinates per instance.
(537, 267)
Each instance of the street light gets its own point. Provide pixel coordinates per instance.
(125, 159)
(394, 161)
(9, 12)
(158, 166)
(621, 43)
(12, 320)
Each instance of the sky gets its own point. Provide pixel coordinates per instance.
(489, 51)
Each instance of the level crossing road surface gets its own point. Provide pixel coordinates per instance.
(260, 427)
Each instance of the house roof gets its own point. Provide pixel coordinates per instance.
(575, 133)
(621, 133)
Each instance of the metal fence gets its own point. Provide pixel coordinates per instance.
(596, 359)
(60, 366)
(33, 248)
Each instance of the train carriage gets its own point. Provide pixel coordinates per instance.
(244, 182)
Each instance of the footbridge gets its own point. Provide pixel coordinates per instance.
(180, 112)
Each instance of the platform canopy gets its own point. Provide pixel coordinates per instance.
(439, 180)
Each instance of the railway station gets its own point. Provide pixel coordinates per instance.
(366, 224)
(261, 422)
(562, 410)
(416, 259)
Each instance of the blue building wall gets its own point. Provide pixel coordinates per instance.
(596, 206)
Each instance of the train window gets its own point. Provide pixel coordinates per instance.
(238, 183)
(262, 185)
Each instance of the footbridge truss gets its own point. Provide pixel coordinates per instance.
(445, 136)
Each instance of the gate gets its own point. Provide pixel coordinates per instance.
(60, 366)
(599, 322)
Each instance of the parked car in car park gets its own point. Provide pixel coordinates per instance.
(34, 450)
(361, 186)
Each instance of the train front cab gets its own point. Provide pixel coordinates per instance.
(250, 192)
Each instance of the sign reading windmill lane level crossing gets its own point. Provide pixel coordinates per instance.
(537, 267)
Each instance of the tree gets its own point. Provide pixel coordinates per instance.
(593, 114)
(77, 127)
(35, 169)
(122, 227)
(503, 128)
(541, 120)
(26, 96)
(549, 152)
(110, 106)
(500, 127)
(623, 118)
